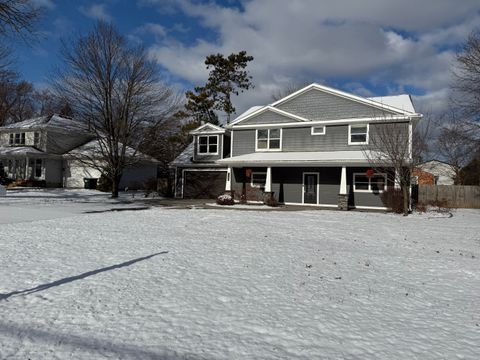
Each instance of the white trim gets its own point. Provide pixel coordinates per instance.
(350, 134)
(371, 207)
(410, 140)
(303, 185)
(342, 94)
(221, 149)
(317, 205)
(270, 108)
(268, 180)
(208, 144)
(192, 170)
(370, 191)
(231, 144)
(268, 140)
(343, 181)
(400, 118)
(228, 184)
(312, 131)
(216, 129)
(251, 179)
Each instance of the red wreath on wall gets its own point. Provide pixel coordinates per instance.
(369, 173)
(248, 172)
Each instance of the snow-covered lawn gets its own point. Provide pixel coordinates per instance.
(214, 284)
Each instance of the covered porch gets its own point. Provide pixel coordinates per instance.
(331, 180)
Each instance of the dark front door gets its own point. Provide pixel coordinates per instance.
(310, 182)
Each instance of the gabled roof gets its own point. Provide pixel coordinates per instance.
(399, 105)
(208, 128)
(53, 122)
(343, 94)
(262, 109)
(92, 148)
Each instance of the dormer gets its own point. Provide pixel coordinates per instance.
(211, 142)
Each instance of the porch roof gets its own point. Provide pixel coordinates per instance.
(19, 151)
(300, 158)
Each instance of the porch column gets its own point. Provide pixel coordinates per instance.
(343, 195)
(397, 180)
(228, 184)
(268, 180)
(26, 168)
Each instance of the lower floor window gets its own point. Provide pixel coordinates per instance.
(258, 179)
(375, 183)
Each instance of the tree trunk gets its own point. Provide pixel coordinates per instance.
(405, 199)
(115, 185)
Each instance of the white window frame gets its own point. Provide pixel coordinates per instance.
(268, 139)
(323, 132)
(252, 184)
(369, 190)
(208, 145)
(350, 142)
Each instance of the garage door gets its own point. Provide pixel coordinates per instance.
(204, 184)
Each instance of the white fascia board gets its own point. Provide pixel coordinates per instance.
(216, 129)
(269, 108)
(344, 95)
(395, 118)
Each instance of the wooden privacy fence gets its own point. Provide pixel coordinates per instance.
(454, 196)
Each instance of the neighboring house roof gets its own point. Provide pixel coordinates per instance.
(297, 157)
(93, 147)
(19, 151)
(445, 172)
(53, 122)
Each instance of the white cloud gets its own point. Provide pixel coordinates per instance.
(380, 44)
(96, 12)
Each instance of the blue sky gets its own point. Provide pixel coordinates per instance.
(371, 48)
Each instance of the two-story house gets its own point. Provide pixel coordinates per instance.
(48, 149)
(308, 148)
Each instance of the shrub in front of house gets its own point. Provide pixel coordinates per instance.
(225, 199)
(393, 199)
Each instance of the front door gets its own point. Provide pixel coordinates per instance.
(310, 188)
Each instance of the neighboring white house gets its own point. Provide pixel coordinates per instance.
(443, 173)
(45, 150)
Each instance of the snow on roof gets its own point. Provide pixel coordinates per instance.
(185, 157)
(93, 147)
(298, 157)
(55, 122)
(19, 151)
(402, 102)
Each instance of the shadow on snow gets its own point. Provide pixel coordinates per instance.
(66, 280)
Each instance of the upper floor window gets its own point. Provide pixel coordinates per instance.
(318, 130)
(17, 139)
(358, 134)
(269, 139)
(208, 144)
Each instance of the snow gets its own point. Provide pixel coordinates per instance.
(171, 283)
(54, 122)
(402, 102)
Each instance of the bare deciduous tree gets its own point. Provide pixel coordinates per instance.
(395, 148)
(18, 16)
(115, 88)
(287, 90)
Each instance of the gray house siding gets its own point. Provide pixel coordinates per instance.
(301, 139)
(268, 117)
(243, 142)
(319, 105)
(53, 172)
